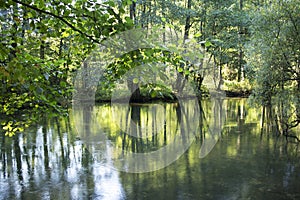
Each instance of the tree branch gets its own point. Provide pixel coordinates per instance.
(293, 22)
(60, 18)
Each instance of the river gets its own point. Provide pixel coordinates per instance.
(224, 154)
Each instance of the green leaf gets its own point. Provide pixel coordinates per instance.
(153, 93)
(135, 80)
(207, 43)
(110, 3)
(65, 34)
(29, 15)
(197, 35)
(63, 84)
(128, 20)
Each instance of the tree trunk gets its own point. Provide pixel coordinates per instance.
(241, 54)
(132, 11)
(187, 21)
(240, 66)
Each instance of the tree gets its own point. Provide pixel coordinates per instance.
(42, 45)
(274, 58)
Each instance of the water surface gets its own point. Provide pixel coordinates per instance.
(75, 158)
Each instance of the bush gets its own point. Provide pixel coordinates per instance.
(239, 87)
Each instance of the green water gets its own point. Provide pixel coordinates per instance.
(79, 157)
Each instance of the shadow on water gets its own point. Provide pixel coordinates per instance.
(73, 158)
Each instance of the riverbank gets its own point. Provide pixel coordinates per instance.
(170, 98)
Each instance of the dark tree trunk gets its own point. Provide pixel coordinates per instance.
(187, 21)
(136, 96)
(134, 90)
(132, 11)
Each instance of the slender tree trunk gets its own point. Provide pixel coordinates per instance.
(15, 34)
(240, 66)
(144, 22)
(221, 78)
(263, 119)
(241, 53)
(133, 11)
(42, 50)
(187, 21)
(133, 87)
(180, 81)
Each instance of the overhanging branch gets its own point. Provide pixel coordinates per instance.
(60, 18)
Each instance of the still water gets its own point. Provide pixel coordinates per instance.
(84, 156)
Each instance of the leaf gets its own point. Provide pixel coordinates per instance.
(110, 3)
(128, 20)
(135, 80)
(197, 35)
(153, 93)
(180, 69)
(207, 43)
(63, 84)
(29, 15)
(65, 34)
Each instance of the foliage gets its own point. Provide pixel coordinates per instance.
(235, 86)
(273, 53)
(42, 45)
(155, 65)
(245, 45)
(159, 91)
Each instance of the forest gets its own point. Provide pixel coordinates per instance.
(252, 48)
(149, 99)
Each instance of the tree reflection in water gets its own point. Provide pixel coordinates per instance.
(49, 163)
(59, 159)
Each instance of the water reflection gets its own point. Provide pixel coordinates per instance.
(144, 137)
(60, 160)
(48, 163)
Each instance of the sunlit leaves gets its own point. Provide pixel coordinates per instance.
(274, 49)
(273, 53)
(11, 127)
(42, 44)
